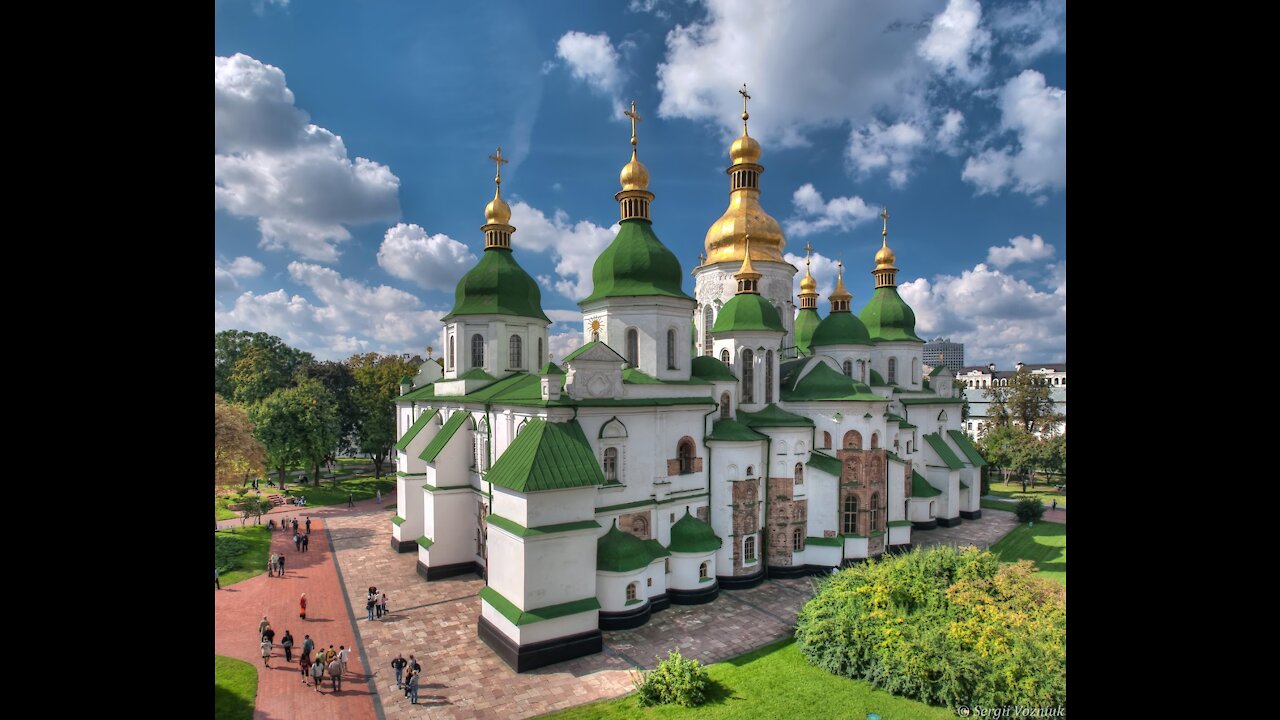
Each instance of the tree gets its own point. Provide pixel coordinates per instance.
(276, 358)
(1029, 509)
(337, 378)
(297, 425)
(377, 387)
(1024, 402)
(237, 454)
(253, 507)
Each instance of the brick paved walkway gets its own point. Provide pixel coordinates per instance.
(983, 533)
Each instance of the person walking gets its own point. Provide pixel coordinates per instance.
(378, 494)
(304, 662)
(368, 605)
(269, 634)
(413, 688)
(216, 584)
(271, 565)
(306, 540)
(286, 642)
(308, 645)
(413, 663)
(377, 607)
(335, 674)
(398, 665)
(297, 541)
(317, 670)
(330, 655)
(302, 611)
(383, 604)
(351, 500)
(280, 564)
(308, 524)
(1055, 504)
(262, 626)
(343, 655)
(408, 679)
(295, 526)
(266, 651)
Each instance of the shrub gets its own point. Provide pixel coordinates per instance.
(1029, 510)
(226, 548)
(675, 680)
(942, 626)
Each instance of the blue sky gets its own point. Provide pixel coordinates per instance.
(351, 142)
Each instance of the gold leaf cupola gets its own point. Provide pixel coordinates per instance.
(497, 214)
(726, 238)
(841, 296)
(747, 277)
(885, 272)
(634, 198)
(808, 284)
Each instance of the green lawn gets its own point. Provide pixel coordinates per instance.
(243, 552)
(1045, 544)
(774, 681)
(1013, 491)
(235, 685)
(361, 487)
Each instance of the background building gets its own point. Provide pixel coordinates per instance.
(952, 353)
(978, 379)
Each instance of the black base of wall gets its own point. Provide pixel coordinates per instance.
(927, 525)
(626, 619)
(403, 546)
(971, 514)
(949, 522)
(788, 571)
(899, 549)
(659, 602)
(741, 582)
(439, 572)
(523, 658)
(695, 597)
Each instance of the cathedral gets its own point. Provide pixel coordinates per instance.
(690, 445)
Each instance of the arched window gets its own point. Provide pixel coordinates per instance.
(875, 440)
(702, 570)
(799, 473)
(862, 371)
(684, 451)
(477, 350)
(768, 376)
(826, 439)
(749, 550)
(851, 515)
(633, 347)
(639, 526)
(453, 357)
(853, 440)
(516, 352)
(595, 336)
(671, 349)
(724, 406)
(631, 590)
(873, 513)
(797, 540)
(706, 332)
(848, 368)
(611, 464)
(893, 370)
(751, 470)
(534, 365)
(915, 370)
(724, 357)
(748, 376)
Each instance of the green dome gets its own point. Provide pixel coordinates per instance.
(497, 285)
(709, 368)
(691, 535)
(747, 311)
(888, 317)
(636, 263)
(617, 551)
(806, 322)
(840, 328)
(824, 383)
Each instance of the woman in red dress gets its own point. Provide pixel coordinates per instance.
(302, 612)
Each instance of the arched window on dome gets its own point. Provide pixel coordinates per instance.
(671, 349)
(748, 376)
(477, 350)
(453, 355)
(633, 347)
(893, 371)
(724, 357)
(850, 525)
(847, 367)
(537, 360)
(515, 351)
(768, 376)
(707, 320)
(724, 406)
(915, 370)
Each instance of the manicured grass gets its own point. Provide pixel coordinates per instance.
(997, 504)
(361, 487)
(1045, 544)
(235, 685)
(774, 681)
(1013, 491)
(243, 552)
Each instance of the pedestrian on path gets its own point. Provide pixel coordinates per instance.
(269, 634)
(306, 540)
(413, 663)
(413, 688)
(308, 524)
(330, 655)
(368, 605)
(307, 645)
(262, 626)
(317, 671)
(335, 674)
(297, 541)
(271, 565)
(304, 662)
(408, 680)
(280, 564)
(377, 607)
(266, 651)
(216, 584)
(286, 642)
(351, 500)
(295, 526)
(398, 665)
(302, 611)
(378, 494)
(343, 655)
(1055, 504)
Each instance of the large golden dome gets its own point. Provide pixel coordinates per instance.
(634, 175)
(497, 212)
(744, 150)
(726, 239)
(808, 284)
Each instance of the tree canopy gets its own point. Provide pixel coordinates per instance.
(237, 454)
(377, 385)
(270, 368)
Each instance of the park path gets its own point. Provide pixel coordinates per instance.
(239, 608)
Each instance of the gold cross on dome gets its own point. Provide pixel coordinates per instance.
(635, 118)
(499, 161)
(745, 115)
(885, 214)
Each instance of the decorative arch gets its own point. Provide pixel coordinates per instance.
(875, 440)
(633, 347)
(826, 440)
(515, 352)
(893, 370)
(942, 416)
(748, 376)
(725, 401)
(520, 427)
(685, 450)
(671, 349)
(781, 446)
(477, 350)
(853, 440)
(731, 472)
(640, 525)
(799, 449)
(612, 428)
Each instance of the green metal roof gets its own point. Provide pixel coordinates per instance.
(940, 446)
(888, 317)
(656, 550)
(826, 383)
(827, 541)
(773, 416)
(636, 263)
(709, 368)
(476, 374)
(617, 551)
(690, 534)
(441, 439)
(930, 400)
(574, 355)
(747, 312)
(633, 376)
(937, 370)
(806, 322)
(840, 328)
(893, 456)
(734, 431)
(415, 428)
(921, 487)
(877, 380)
(426, 392)
(551, 369)
(904, 425)
(547, 456)
(967, 447)
(824, 462)
(406, 380)
(497, 285)
(516, 528)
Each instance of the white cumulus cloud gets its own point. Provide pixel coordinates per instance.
(295, 177)
(1037, 115)
(892, 148)
(435, 262)
(1031, 29)
(1020, 250)
(573, 246)
(824, 271)
(814, 214)
(564, 343)
(957, 43)
(594, 60)
(950, 128)
(225, 273)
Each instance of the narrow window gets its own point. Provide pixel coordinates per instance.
(631, 591)
(724, 406)
(611, 465)
(848, 369)
(702, 570)
(875, 440)
(873, 514)
(706, 332)
(452, 356)
(893, 370)
(768, 376)
(826, 439)
(477, 351)
(748, 376)
(514, 349)
(685, 453)
(749, 550)
(537, 360)
(633, 347)
(799, 474)
(724, 357)
(671, 349)
(797, 540)
(851, 515)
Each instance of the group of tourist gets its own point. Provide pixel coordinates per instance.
(407, 682)
(313, 663)
(375, 602)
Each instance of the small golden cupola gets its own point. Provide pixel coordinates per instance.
(885, 272)
(726, 238)
(497, 214)
(747, 276)
(840, 297)
(808, 284)
(634, 198)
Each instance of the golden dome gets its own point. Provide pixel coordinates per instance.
(634, 175)
(840, 292)
(726, 238)
(744, 150)
(884, 257)
(497, 212)
(807, 283)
